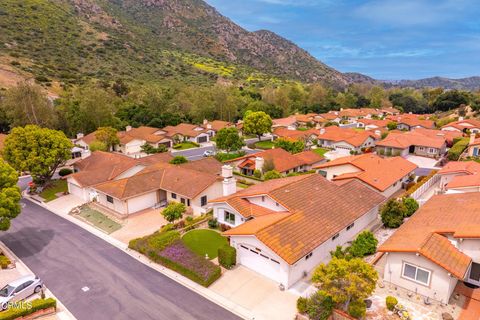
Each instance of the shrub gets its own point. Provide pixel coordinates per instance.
(392, 213)
(4, 262)
(227, 256)
(173, 211)
(64, 172)
(457, 149)
(168, 227)
(320, 306)
(212, 223)
(364, 245)
(156, 241)
(189, 219)
(411, 205)
(357, 309)
(391, 302)
(25, 309)
(257, 174)
(271, 175)
(178, 160)
(302, 305)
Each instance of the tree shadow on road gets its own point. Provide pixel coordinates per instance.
(27, 241)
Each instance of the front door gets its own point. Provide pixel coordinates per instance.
(411, 149)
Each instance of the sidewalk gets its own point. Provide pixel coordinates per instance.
(205, 292)
(21, 270)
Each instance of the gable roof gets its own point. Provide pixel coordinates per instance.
(309, 157)
(379, 173)
(468, 167)
(402, 140)
(294, 135)
(284, 122)
(184, 129)
(282, 160)
(472, 180)
(413, 120)
(217, 125)
(350, 136)
(149, 134)
(456, 215)
(463, 124)
(309, 222)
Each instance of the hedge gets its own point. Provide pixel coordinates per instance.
(64, 172)
(457, 149)
(26, 309)
(227, 256)
(156, 241)
(419, 183)
(4, 262)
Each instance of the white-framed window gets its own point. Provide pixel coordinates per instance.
(417, 274)
(109, 199)
(229, 217)
(431, 150)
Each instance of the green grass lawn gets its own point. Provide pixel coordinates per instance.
(204, 241)
(359, 129)
(264, 145)
(242, 185)
(99, 220)
(185, 145)
(54, 187)
(320, 151)
(303, 128)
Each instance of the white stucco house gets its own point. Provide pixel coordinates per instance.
(460, 177)
(282, 228)
(437, 247)
(346, 139)
(385, 175)
(463, 125)
(189, 132)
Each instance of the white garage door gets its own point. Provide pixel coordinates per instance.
(75, 190)
(260, 262)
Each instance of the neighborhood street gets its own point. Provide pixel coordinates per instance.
(95, 280)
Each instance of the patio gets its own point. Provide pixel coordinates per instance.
(422, 162)
(140, 224)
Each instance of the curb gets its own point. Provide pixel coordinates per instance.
(62, 312)
(204, 292)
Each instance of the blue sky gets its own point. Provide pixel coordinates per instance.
(385, 39)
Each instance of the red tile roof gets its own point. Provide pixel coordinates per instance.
(402, 140)
(413, 120)
(350, 136)
(184, 129)
(149, 134)
(380, 173)
(310, 222)
(468, 167)
(457, 215)
(464, 124)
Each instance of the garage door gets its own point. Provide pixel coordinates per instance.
(75, 190)
(260, 262)
(202, 139)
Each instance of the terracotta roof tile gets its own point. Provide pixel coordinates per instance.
(464, 124)
(402, 140)
(184, 129)
(471, 180)
(351, 136)
(282, 160)
(468, 167)
(448, 214)
(309, 157)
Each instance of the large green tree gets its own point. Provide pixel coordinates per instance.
(28, 104)
(346, 281)
(257, 123)
(9, 195)
(229, 140)
(289, 145)
(108, 136)
(393, 212)
(37, 150)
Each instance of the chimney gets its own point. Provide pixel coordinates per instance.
(205, 121)
(472, 138)
(128, 128)
(378, 133)
(460, 118)
(229, 182)
(322, 131)
(209, 126)
(318, 126)
(259, 161)
(80, 135)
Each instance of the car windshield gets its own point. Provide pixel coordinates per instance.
(6, 291)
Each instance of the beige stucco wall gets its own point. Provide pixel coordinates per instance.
(212, 192)
(441, 283)
(339, 170)
(142, 202)
(117, 205)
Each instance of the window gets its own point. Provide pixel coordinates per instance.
(109, 199)
(350, 226)
(308, 256)
(431, 150)
(323, 173)
(416, 274)
(263, 198)
(182, 200)
(229, 217)
(174, 195)
(188, 202)
(203, 201)
(335, 236)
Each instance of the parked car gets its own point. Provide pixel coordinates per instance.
(208, 153)
(20, 289)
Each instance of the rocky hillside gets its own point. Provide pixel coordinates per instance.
(471, 83)
(188, 40)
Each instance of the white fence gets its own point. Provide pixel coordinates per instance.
(424, 187)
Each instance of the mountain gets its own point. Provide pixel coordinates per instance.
(471, 83)
(75, 40)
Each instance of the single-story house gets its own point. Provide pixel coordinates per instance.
(188, 132)
(283, 161)
(346, 139)
(462, 125)
(288, 122)
(308, 136)
(390, 111)
(437, 247)
(161, 183)
(283, 228)
(459, 176)
(212, 127)
(412, 142)
(373, 124)
(132, 139)
(385, 175)
(411, 121)
(331, 116)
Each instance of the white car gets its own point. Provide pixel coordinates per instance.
(208, 153)
(19, 290)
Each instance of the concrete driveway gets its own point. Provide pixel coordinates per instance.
(140, 224)
(65, 203)
(422, 162)
(256, 293)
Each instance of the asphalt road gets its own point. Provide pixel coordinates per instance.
(115, 286)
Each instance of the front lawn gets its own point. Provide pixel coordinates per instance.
(264, 145)
(49, 193)
(320, 151)
(185, 145)
(99, 220)
(203, 241)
